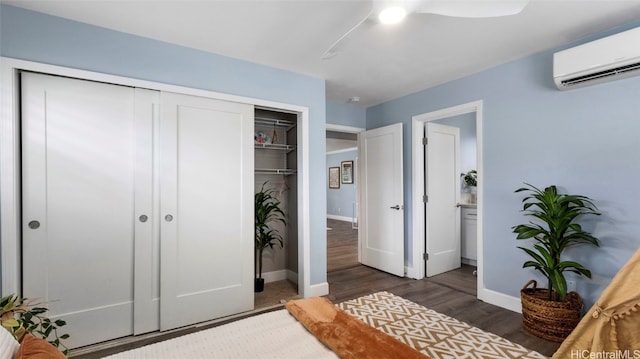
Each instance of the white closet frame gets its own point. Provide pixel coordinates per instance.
(10, 210)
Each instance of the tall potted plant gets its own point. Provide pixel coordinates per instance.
(552, 313)
(267, 212)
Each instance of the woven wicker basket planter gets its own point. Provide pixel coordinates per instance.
(548, 319)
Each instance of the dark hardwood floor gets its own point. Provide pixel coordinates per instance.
(342, 245)
(452, 293)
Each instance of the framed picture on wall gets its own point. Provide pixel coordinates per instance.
(334, 177)
(346, 167)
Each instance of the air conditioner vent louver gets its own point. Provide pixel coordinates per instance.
(611, 58)
(602, 74)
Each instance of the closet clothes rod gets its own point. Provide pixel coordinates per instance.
(275, 146)
(277, 171)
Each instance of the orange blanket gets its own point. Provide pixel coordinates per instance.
(347, 336)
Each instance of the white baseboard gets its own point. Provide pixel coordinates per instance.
(318, 290)
(339, 218)
(278, 275)
(275, 276)
(292, 276)
(471, 262)
(501, 300)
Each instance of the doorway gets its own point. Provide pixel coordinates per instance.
(473, 111)
(342, 198)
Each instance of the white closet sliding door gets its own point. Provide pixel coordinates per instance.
(79, 145)
(137, 206)
(206, 185)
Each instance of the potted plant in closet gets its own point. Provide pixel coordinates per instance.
(267, 213)
(551, 312)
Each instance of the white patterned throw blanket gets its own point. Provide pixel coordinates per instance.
(431, 333)
(278, 335)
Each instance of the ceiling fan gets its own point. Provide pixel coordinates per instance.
(394, 11)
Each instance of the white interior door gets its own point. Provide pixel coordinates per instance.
(381, 229)
(79, 178)
(206, 189)
(442, 186)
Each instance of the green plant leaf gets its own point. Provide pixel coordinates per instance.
(267, 214)
(554, 228)
(10, 323)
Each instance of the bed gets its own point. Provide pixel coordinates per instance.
(307, 328)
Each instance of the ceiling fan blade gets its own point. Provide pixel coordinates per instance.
(472, 8)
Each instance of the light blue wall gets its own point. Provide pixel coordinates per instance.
(47, 39)
(340, 201)
(346, 114)
(586, 141)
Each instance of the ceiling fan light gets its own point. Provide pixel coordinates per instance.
(392, 15)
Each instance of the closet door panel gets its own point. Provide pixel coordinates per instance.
(206, 209)
(146, 309)
(78, 203)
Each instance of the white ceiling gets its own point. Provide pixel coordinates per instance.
(375, 63)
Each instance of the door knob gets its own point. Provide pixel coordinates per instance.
(143, 218)
(396, 207)
(34, 224)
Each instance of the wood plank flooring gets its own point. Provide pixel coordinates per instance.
(452, 293)
(342, 245)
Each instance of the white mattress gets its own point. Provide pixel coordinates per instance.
(271, 335)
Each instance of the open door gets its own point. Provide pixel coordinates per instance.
(442, 186)
(381, 198)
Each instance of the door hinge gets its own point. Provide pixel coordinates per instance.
(425, 198)
(425, 256)
(424, 141)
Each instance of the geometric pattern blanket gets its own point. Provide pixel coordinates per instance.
(429, 332)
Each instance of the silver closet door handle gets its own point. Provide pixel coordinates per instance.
(396, 207)
(143, 218)
(34, 224)
(168, 218)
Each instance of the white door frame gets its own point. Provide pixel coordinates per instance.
(417, 178)
(10, 177)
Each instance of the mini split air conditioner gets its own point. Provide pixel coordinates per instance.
(611, 58)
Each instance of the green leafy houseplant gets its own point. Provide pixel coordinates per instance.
(554, 231)
(470, 178)
(267, 212)
(21, 316)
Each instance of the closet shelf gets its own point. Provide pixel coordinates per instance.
(275, 146)
(276, 171)
(274, 122)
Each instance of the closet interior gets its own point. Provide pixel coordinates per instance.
(276, 167)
